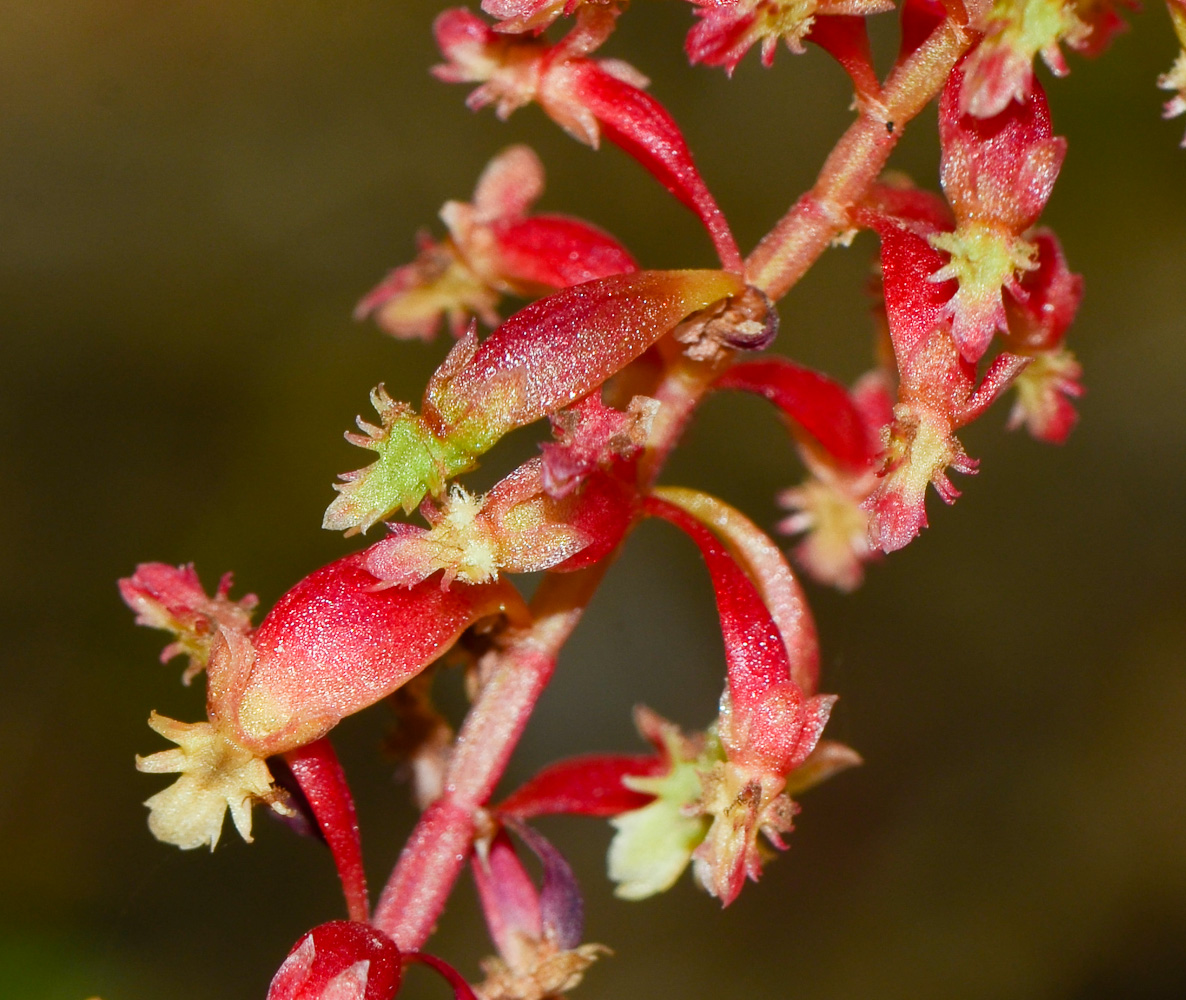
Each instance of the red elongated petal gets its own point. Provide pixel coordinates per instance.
(334, 645)
(590, 785)
(919, 19)
(643, 128)
(1000, 374)
(915, 305)
(822, 407)
(341, 960)
(762, 559)
(510, 902)
(754, 650)
(999, 169)
(461, 989)
(509, 185)
(846, 39)
(1049, 298)
(546, 252)
(323, 782)
(923, 212)
(562, 347)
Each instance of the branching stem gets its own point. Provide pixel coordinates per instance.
(435, 854)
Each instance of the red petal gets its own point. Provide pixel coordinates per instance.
(584, 786)
(846, 39)
(914, 304)
(319, 773)
(820, 406)
(332, 950)
(334, 645)
(547, 252)
(755, 653)
(999, 169)
(562, 347)
(643, 128)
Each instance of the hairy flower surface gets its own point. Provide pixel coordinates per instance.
(588, 98)
(543, 359)
(172, 599)
(494, 247)
(728, 29)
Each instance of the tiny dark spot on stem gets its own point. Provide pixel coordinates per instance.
(889, 127)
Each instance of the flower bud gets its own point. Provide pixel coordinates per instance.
(341, 960)
(543, 359)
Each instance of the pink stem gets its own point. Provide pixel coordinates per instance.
(317, 770)
(435, 855)
(823, 213)
(416, 893)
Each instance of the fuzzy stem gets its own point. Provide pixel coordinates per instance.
(786, 253)
(416, 893)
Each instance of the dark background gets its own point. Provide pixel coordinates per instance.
(192, 197)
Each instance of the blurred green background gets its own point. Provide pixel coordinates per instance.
(192, 197)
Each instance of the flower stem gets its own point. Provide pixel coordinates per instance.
(786, 253)
(432, 860)
(419, 886)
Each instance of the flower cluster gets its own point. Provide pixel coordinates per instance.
(973, 299)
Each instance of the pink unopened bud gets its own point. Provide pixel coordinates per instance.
(999, 169)
(543, 359)
(333, 645)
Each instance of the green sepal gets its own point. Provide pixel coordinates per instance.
(412, 462)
